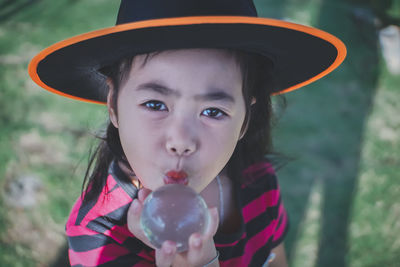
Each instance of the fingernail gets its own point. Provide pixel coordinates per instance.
(168, 250)
(197, 242)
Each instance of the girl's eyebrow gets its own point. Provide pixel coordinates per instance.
(215, 94)
(158, 88)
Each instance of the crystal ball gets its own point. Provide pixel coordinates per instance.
(174, 212)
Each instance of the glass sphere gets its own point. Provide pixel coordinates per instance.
(174, 212)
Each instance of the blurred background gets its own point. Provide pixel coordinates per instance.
(342, 189)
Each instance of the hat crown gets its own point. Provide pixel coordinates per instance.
(138, 10)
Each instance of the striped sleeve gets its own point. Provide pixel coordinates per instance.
(98, 234)
(92, 249)
(264, 223)
(281, 222)
(263, 197)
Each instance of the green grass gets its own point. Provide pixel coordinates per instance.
(378, 222)
(60, 126)
(341, 192)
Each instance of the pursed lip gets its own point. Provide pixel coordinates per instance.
(176, 177)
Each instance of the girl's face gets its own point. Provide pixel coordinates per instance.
(181, 111)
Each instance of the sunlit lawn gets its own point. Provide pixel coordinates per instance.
(341, 191)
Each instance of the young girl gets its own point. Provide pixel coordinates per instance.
(187, 84)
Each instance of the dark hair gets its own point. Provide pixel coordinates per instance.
(255, 146)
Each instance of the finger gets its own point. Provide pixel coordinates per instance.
(195, 254)
(133, 216)
(201, 250)
(202, 247)
(143, 193)
(195, 243)
(166, 254)
(214, 223)
(196, 240)
(133, 220)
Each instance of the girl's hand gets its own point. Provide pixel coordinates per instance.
(201, 247)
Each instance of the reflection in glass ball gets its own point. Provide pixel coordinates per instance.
(174, 212)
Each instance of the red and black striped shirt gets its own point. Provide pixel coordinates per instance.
(98, 235)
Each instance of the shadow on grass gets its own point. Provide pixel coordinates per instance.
(9, 8)
(361, 37)
(338, 116)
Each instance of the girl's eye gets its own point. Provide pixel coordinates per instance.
(214, 113)
(155, 105)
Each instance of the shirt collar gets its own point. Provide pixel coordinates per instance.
(122, 179)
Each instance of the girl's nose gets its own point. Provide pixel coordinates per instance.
(181, 140)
